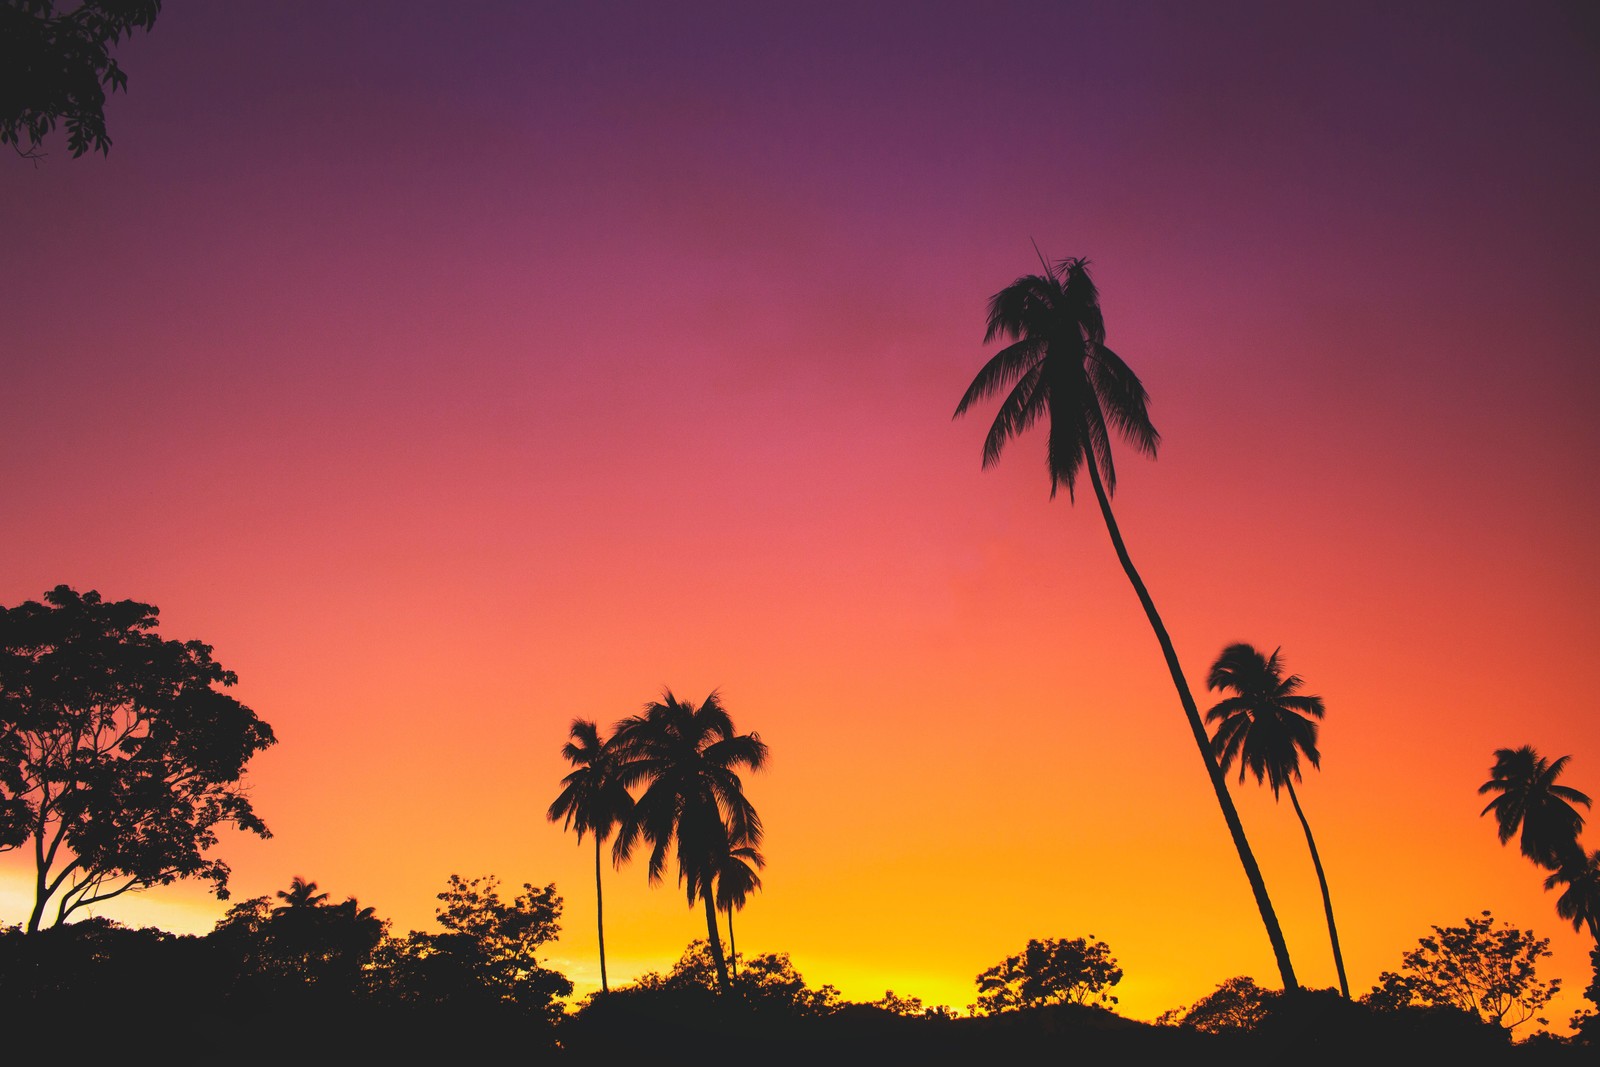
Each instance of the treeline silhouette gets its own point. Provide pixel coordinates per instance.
(321, 980)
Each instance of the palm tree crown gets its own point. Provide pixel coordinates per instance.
(1530, 799)
(592, 799)
(1268, 724)
(736, 879)
(1579, 903)
(1059, 366)
(687, 758)
(300, 894)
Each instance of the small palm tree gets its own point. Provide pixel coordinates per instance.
(1580, 902)
(300, 894)
(687, 758)
(736, 879)
(1058, 369)
(1267, 725)
(1531, 800)
(593, 800)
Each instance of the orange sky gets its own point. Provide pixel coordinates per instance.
(460, 375)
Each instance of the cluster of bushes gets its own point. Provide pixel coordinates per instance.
(272, 977)
(271, 974)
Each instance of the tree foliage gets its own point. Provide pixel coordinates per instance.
(120, 759)
(1529, 800)
(687, 759)
(1478, 967)
(487, 956)
(911, 1007)
(1579, 902)
(765, 981)
(1050, 971)
(303, 946)
(59, 67)
(1236, 1006)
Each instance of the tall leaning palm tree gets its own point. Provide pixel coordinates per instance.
(592, 800)
(1058, 368)
(687, 758)
(736, 879)
(1530, 800)
(1267, 725)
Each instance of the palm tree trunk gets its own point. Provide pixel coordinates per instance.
(716, 944)
(733, 949)
(1322, 880)
(600, 915)
(1235, 827)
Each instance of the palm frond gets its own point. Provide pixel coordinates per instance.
(1020, 409)
(1003, 368)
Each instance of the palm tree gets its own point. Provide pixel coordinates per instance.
(1530, 799)
(1579, 903)
(300, 894)
(736, 879)
(1059, 368)
(687, 758)
(593, 800)
(1267, 725)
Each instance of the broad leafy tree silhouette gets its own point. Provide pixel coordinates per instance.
(120, 756)
(687, 758)
(1267, 725)
(592, 800)
(58, 67)
(1480, 967)
(1058, 368)
(1532, 802)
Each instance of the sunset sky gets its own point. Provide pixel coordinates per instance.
(458, 370)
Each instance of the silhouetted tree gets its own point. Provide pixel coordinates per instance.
(1050, 971)
(1579, 903)
(300, 894)
(687, 758)
(736, 879)
(1476, 967)
(593, 800)
(1587, 1022)
(1267, 725)
(1058, 368)
(1531, 800)
(59, 67)
(487, 957)
(303, 946)
(1236, 1006)
(119, 760)
(59, 984)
